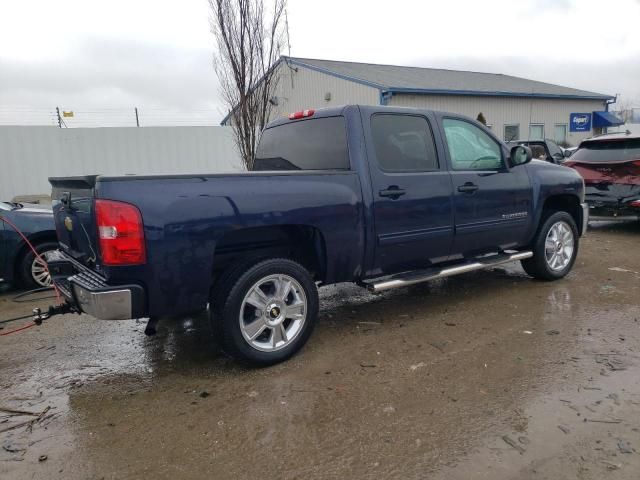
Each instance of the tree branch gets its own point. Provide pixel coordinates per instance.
(248, 47)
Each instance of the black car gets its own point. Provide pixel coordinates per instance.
(547, 150)
(18, 264)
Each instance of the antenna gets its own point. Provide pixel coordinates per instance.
(530, 114)
(61, 122)
(286, 26)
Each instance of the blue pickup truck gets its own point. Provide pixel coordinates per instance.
(383, 197)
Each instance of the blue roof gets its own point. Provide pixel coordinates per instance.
(393, 79)
(438, 81)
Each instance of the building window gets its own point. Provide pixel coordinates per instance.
(536, 131)
(511, 132)
(560, 133)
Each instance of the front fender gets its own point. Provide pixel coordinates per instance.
(555, 184)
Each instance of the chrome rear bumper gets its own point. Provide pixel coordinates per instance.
(89, 292)
(106, 304)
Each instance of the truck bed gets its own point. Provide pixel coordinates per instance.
(187, 217)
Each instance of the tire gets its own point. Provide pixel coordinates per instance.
(555, 247)
(263, 313)
(30, 271)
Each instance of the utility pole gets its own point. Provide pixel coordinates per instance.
(59, 117)
(137, 119)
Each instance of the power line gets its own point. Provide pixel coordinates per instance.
(109, 116)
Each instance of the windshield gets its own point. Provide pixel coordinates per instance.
(604, 151)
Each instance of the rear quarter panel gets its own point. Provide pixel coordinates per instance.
(185, 217)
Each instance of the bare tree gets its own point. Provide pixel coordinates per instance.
(623, 110)
(249, 41)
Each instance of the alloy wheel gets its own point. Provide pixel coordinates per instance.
(559, 246)
(273, 312)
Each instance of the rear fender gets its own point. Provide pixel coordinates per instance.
(302, 243)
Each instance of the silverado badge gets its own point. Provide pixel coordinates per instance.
(68, 223)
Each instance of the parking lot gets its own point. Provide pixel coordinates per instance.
(488, 374)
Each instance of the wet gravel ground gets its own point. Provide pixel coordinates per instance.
(487, 375)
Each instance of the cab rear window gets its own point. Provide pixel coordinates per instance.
(608, 151)
(313, 144)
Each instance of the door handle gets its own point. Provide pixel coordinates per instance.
(468, 187)
(393, 192)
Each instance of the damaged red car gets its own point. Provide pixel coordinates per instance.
(610, 166)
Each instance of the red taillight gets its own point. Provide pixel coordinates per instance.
(120, 233)
(302, 114)
(635, 203)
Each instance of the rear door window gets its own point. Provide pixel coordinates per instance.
(313, 144)
(604, 151)
(403, 143)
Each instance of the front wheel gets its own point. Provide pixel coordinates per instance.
(266, 312)
(555, 248)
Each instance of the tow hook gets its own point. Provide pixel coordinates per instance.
(62, 309)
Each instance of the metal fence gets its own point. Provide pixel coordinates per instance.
(67, 117)
(29, 155)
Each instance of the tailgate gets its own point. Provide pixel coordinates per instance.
(73, 212)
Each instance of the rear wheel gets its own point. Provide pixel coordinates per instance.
(32, 270)
(264, 313)
(555, 248)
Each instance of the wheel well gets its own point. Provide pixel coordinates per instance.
(301, 243)
(565, 203)
(35, 240)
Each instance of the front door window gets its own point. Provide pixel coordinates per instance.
(470, 148)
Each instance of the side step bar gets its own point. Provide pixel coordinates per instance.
(419, 276)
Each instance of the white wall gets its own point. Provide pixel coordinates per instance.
(499, 111)
(29, 155)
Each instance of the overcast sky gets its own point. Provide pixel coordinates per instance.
(102, 58)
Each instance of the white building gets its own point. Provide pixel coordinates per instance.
(514, 108)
